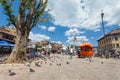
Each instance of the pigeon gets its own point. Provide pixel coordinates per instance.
(11, 73)
(28, 64)
(23, 62)
(67, 62)
(101, 62)
(37, 64)
(58, 64)
(45, 62)
(31, 70)
(50, 64)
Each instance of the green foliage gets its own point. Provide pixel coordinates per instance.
(36, 46)
(8, 11)
(28, 3)
(30, 13)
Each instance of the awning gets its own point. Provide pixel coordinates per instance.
(5, 43)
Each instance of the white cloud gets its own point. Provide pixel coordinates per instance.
(38, 37)
(51, 29)
(96, 30)
(59, 42)
(80, 39)
(43, 27)
(73, 31)
(71, 13)
(67, 13)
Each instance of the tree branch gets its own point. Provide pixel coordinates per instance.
(21, 15)
(31, 13)
(38, 11)
(8, 11)
(39, 6)
(34, 22)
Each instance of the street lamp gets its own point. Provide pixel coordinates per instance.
(102, 15)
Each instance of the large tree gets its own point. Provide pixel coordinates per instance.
(30, 12)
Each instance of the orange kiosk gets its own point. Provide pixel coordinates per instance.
(86, 49)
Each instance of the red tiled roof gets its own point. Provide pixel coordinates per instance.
(10, 31)
(117, 31)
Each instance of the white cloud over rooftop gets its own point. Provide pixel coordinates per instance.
(38, 37)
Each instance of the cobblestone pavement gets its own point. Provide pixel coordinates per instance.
(63, 68)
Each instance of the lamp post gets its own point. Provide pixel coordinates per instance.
(102, 15)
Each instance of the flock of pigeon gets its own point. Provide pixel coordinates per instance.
(57, 60)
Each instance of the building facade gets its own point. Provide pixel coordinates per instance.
(8, 34)
(110, 41)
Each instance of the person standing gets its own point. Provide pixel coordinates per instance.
(71, 53)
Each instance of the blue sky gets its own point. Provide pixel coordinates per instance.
(75, 17)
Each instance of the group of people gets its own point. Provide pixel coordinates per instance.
(109, 53)
(45, 52)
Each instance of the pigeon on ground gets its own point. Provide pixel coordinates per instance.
(23, 62)
(28, 65)
(45, 62)
(50, 64)
(67, 62)
(37, 64)
(101, 62)
(59, 64)
(11, 73)
(31, 70)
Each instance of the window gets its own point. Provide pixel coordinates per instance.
(117, 46)
(116, 38)
(113, 45)
(110, 45)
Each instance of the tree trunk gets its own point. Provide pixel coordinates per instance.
(19, 51)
